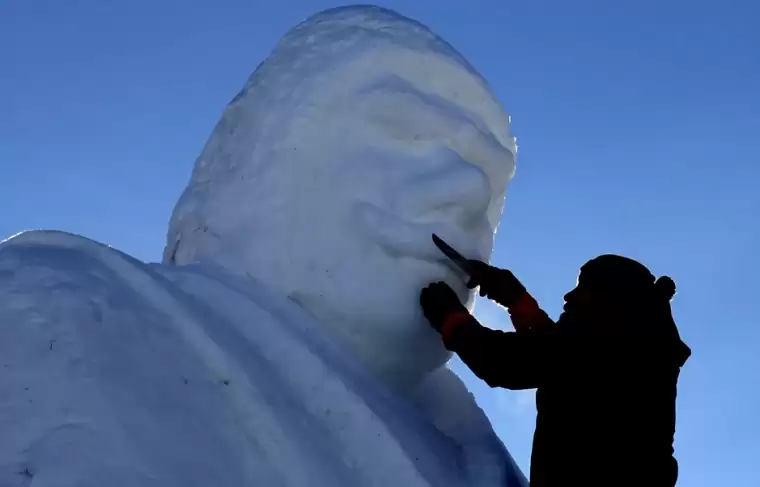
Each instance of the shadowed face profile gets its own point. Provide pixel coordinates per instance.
(328, 173)
(613, 290)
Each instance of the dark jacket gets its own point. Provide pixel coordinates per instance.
(605, 400)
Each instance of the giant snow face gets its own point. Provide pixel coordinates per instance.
(361, 135)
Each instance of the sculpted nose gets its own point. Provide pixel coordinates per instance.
(569, 295)
(453, 189)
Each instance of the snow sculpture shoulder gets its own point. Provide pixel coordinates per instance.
(280, 342)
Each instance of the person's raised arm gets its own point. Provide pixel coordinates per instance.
(514, 360)
(502, 287)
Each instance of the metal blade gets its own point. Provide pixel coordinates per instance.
(452, 254)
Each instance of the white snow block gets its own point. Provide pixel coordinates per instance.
(280, 343)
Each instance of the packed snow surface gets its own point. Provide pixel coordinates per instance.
(280, 342)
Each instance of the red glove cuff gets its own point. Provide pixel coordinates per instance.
(525, 312)
(452, 322)
(524, 305)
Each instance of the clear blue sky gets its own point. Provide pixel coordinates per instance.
(638, 130)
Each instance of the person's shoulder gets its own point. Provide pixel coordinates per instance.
(53, 260)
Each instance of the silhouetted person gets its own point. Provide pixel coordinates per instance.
(606, 372)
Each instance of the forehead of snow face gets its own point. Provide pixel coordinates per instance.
(411, 82)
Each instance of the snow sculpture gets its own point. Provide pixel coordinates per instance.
(280, 342)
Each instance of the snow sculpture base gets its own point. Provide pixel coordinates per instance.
(115, 372)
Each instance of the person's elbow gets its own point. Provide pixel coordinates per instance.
(513, 384)
(507, 380)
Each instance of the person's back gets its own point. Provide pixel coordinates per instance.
(606, 409)
(605, 373)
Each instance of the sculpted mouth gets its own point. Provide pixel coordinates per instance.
(414, 239)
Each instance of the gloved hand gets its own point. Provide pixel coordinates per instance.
(438, 301)
(499, 285)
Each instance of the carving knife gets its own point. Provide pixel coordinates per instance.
(452, 254)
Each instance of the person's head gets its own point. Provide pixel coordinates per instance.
(613, 289)
(361, 135)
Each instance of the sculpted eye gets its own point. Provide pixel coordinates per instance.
(480, 148)
(399, 118)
